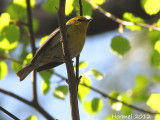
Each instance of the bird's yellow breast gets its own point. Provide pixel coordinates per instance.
(76, 39)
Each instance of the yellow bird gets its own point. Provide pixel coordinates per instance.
(50, 54)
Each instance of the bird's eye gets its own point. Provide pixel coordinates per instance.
(80, 20)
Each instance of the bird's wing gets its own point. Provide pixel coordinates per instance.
(48, 41)
(48, 66)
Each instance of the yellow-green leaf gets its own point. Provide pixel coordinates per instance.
(28, 59)
(17, 11)
(155, 59)
(9, 37)
(82, 90)
(45, 86)
(51, 5)
(157, 117)
(151, 6)
(94, 106)
(141, 83)
(32, 117)
(43, 39)
(97, 2)
(157, 46)
(4, 20)
(3, 69)
(69, 7)
(97, 74)
(23, 3)
(153, 102)
(156, 78)
(16, 66)
(46, 81)
(131, 18)
(61, 92)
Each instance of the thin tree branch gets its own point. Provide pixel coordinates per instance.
(114, 99)
(105, 95)
(70, 71)
(80, 8)
(77, 57)
(32, 41)
(118, 20)
(36, 106)
(9, 114)
(77, 67)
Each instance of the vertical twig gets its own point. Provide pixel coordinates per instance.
(9, 114)
(80, 8)
(77, 58)
(32, 41)
(70, 71)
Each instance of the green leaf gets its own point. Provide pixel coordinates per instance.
(9, 37)
(43, 39)
(141, 83)
(120, 45)
(16, 66)
(82, 90)
(17, 11)
(97, 74)
(46, 85)
(23, 3)
(82, 65)
(127, 99)
(87, 8)
(131, 18)
(113, 94)
(157, 117)
(153, 102)
(46, 81)
(28, 59)
(151, 6)
(61, 92)
(69, 7)
(32, 117)
(97, 2)
(51, 5)
(157, 46)
(94, 106)
(154, 36)
(158, 23)
(35, 25)
(46, 75)
(156, 78)
(155, 59)
(3, 69)
(4, 20)
(140, 96)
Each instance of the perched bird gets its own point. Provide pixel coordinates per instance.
(50, 54)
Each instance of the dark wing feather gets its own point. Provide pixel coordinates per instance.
(48, 66)
(49, 39)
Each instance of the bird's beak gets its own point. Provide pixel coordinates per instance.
(89, 19)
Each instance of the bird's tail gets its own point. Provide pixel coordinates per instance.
(25, 71)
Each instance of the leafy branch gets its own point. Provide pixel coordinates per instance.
(103, 94)
(121, 21)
